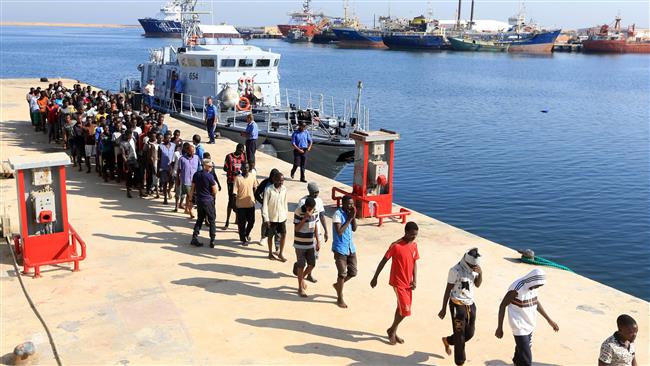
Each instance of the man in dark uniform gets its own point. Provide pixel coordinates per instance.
(205, 188)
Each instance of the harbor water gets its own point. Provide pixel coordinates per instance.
(543, 152)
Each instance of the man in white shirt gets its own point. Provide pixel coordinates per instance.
(523, 306)
(274, 213)
(459, 293)
(149, 92)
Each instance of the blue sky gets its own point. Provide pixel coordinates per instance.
(550, 13)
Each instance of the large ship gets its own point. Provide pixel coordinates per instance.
(349, 37)
(528, 38)
(616, 41)
(305, 21)
(243, 80)
(167, 23)
(477, 44)
(422, 34)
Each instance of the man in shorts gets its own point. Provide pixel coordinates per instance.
(274, 213)
(345, 253)
(403, 276)
(305, 233)
(188, 164)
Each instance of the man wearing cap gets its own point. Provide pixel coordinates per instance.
(251, 134)
(210, 119)
(205, 188)
(462, 279)
(319, 212)
(302, 142)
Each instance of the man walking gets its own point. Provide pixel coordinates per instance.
(459, 293)
(232, 167)
(302, 142)
(403, 275)
(149, 92)
(523, 306)
(131, 161)
(166, 155)
(210, 119)
(274, 214)
(205, 188)
(244, 191)
(305, 234)
(619, 349)
(251, 135)
(188, 164)
(177, 91)
(319, 211)
(345, 253)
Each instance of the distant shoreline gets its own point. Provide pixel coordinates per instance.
(76, 25)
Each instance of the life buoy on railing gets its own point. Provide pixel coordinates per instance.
(249, 82)
(246, 106)
(241, 82)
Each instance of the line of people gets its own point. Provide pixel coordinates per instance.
(137, 146)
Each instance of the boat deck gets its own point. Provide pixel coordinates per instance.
(144, 296)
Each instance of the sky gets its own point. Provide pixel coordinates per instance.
(548, 13)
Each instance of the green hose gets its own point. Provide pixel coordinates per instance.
(544, 262)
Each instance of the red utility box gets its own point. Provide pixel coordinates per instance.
(372, 187)
(46, 237)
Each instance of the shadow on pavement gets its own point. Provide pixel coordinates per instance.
(362, 357)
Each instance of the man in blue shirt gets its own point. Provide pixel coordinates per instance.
(177, 89)
(205, 188)
(345, 253)
(302, 142)
(210, 119)
(251, 140)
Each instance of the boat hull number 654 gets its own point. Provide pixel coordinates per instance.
(193, 76)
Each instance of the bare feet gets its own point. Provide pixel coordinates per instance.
(397, 338)
(447, 348)
(282, 258)
(302, 293)
(272, 257)
(391, 337)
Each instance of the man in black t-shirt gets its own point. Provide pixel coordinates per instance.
(204, 188)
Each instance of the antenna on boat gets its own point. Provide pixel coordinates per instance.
(357, 107)
(190, 22)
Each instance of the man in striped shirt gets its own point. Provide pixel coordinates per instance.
(523, 306)
(305, 234)
(232, 167)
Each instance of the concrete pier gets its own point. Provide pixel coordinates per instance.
(145, 296)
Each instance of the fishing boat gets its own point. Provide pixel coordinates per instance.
(167, 23)
(473, 44)
(244, 80)
(297, 36)
(609, 40)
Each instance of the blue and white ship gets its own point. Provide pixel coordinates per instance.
(167, 23)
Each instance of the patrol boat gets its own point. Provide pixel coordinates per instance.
(244, 80)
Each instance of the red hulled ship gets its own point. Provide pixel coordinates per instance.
(614, 40)
(305, 21)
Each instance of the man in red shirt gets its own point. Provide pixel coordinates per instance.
(403, 275)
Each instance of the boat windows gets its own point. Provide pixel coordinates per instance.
(276, 62)
(228, 62)
(262, 63)
(207, 62)
(246, 62)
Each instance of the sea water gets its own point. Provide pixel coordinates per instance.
(549, 152)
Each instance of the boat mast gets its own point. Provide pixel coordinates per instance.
(471, 17)
(458, 15)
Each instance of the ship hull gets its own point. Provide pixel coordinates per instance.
(460, 44)
(539, 43)
(307, 29)
(415, 41)
(352, 38)
(615, 46)
(160, 28)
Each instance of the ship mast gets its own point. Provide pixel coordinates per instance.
(458, 15)
(471, 17)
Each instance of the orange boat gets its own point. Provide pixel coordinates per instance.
(304, 20)
(616, 41)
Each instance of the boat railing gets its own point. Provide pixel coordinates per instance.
(343, 110)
